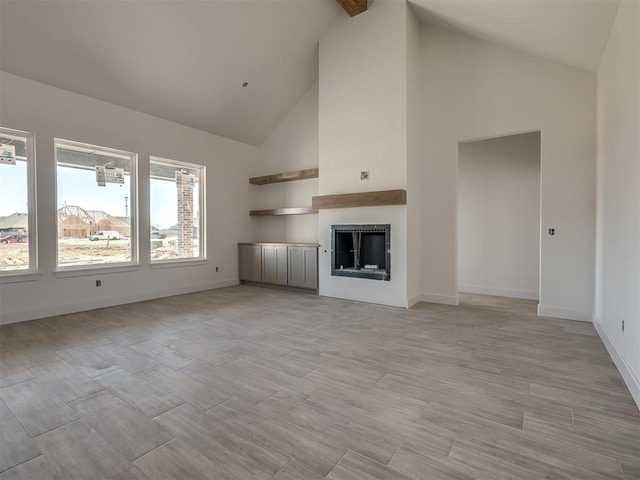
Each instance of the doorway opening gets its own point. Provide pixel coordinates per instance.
(499, 216)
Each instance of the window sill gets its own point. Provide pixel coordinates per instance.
(19, 277)
(93, 270)
(179, 263)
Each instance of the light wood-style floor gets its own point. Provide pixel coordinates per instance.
(258, 383)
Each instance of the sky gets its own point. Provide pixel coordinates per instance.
(13, 188)
(79, 187)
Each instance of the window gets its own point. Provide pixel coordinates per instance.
(17, 202)
(96, 205)
(176, 210)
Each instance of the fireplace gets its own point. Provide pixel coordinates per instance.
(362, 251)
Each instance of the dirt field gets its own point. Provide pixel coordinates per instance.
(82, 251)
(14, 256)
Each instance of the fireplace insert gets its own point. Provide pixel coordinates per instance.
(362, 251)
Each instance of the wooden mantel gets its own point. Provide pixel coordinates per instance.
(364, 199)
(353, 7)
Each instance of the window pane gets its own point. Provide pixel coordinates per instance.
(14, 202)
(95, 198)
(176, 201)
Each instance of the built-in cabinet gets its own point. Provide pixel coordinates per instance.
(294, 265)
(303, 267)
(274, 264)
(250, 263)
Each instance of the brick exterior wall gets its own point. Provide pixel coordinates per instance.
(185, 218)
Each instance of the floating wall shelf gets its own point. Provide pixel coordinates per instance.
(285, 177)
(283, 211)
(364, 199)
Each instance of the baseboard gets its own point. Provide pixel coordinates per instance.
(51, 311)
(629, 377)
(500, 292)
(411, 301)
(435, 298)
(564, 313)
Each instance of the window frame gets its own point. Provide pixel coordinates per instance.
(30, 273)
(133, 207)
(202, 233)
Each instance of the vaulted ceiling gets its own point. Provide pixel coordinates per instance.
(184, 61)
(187, 61)
(573, 32)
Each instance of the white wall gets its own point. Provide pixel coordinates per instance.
(473, 90)
(499, 216)
(293, 145)
(618, 253)
(414, 161)
(50, 112)
(363, 126)
(363, 101)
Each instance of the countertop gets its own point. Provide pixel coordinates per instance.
(281, 243)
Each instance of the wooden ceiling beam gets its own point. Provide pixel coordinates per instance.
(353, 7)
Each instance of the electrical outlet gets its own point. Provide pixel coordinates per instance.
(217, 269)
(623, 325)
(98, 283)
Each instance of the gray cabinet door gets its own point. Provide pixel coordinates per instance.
(274, 264)
(250, 263)
(303, 267)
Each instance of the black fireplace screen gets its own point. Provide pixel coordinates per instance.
(362, 251)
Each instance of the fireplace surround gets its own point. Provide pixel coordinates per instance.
(362, 251)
